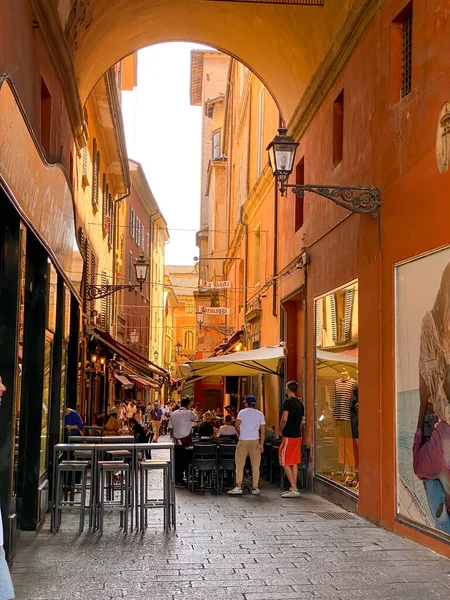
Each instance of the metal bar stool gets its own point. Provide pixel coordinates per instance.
(106, 470)
(146, 502)
(64, 470)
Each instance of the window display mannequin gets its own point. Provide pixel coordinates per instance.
(342, 395)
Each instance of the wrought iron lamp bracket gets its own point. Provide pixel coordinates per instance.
(101, 291)
(223, 329)
(358, 199)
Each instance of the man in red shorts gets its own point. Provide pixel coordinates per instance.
(292, 413)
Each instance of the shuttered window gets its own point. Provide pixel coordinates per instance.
(132, 220)
(111, 219)
(103, 304)
(138, 231)
(93, 276)
(86, 270)
(95, 173)
(260, 133)
(105, 194)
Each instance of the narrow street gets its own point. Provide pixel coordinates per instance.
(250, 548)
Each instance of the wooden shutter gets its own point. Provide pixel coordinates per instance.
(103, 304)
(95, 172)
(260, 133)
(93, 276)
(111, 220)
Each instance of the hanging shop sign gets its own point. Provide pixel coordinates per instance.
(215, 285)
(40, 191)
(216, 310)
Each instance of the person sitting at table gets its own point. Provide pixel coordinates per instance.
(73, 423)
(228, 430)
(219, 412)
(137, 431)
(205, 429)
(112, 425)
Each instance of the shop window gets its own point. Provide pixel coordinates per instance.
(189, 340)
(216, 145)
(299, 202)
(46, 116)
(260, 134)
(338, 129)
(337, 400)
(401, 54)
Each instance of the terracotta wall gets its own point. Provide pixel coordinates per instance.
(24, 57)
(392, 146)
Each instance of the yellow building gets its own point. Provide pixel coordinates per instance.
(101, 179)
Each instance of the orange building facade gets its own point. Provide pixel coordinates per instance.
(349, 294)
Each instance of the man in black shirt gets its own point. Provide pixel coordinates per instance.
(292, 413)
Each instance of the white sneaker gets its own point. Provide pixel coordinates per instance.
(237, 491)
(256, 491)
(290, 494)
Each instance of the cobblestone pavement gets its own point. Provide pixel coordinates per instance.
(227, 548)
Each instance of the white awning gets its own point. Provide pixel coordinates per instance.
(263, 360)
(331, 364)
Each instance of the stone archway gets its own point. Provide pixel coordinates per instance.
(288, 46)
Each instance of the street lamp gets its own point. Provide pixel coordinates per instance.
(141, 267)
(134, 337)
(358, 199)
(156, 354)
(178, 348)
(225, 329)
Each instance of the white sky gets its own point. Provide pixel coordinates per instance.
(163, 133)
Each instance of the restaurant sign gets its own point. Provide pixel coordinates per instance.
(41, 191)
(215, 285)
(216, 310)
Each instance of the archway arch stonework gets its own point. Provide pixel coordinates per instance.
(297, 50)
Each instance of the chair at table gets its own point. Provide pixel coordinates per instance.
(204, 468)
(107, 469)
(226, 462)
(146, 466)
(66, 471)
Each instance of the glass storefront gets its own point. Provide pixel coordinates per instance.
(45, 403)
(336, 397)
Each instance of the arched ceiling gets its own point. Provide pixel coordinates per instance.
(282, 44)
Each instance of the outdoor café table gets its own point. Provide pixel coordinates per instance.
(135, 448)
(69, 448)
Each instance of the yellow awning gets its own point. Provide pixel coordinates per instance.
(262, 360)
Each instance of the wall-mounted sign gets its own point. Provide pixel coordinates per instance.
(215, 310)
(215, 285)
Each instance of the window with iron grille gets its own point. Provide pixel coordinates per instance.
(401, 54)
(406, 55)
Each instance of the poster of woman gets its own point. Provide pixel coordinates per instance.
(423, 390)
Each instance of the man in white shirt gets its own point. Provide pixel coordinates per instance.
(6, 586)
(180, 425)
(251, 427)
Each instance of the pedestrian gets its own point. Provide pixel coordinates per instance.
(6, 586)
(250, 425)
(291, 423)
(131, 409)
(180, 424)
(164, 418)
(155, 417)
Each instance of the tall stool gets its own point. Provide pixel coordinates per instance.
(106, 470)
(146, 502)
(64, 470)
